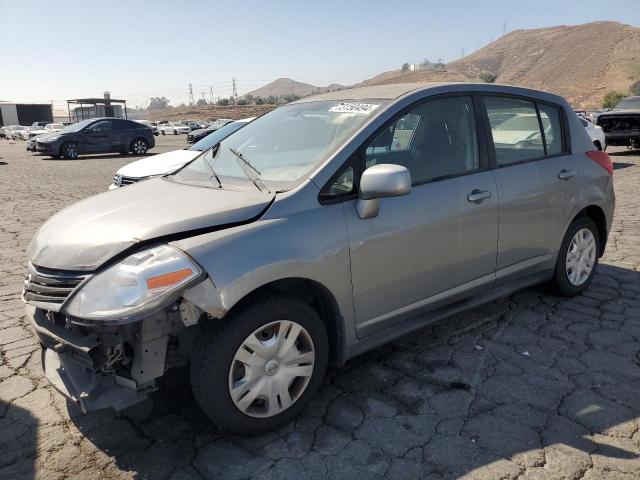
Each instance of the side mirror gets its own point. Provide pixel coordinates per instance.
(381, 181)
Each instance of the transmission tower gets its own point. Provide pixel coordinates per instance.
(235, 92)
(191, 99)
(211, 93)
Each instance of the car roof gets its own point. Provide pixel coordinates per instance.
(394, 91)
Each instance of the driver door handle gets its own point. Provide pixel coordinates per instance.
(565, 174)
(477, 196)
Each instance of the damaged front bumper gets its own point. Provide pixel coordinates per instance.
(102, 366)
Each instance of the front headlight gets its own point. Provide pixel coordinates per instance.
(135, 286)
(52, 139)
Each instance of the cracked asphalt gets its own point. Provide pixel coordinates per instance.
(530, 387)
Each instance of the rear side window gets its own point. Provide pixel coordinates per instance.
(515, 129)
(550, 117)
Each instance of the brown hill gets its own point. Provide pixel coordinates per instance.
(581, 62)
(209, 112)
(286, 86)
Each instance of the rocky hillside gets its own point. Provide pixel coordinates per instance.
(581, 62)
(287, 86)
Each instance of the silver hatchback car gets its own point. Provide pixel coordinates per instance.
(320, 230)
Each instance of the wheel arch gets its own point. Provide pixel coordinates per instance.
(315, 295)
(596, 213)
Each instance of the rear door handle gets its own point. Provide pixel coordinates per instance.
(477, 196)
(565, 174)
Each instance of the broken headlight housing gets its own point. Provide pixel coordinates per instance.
(134, 287)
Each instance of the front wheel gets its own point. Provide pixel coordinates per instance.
(257, 369)
(175, 132)
(577, 259)
(70, 150)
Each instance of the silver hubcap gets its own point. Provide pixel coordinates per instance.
(71, 151)
(139, 147)
(581, 257)
(271, 369)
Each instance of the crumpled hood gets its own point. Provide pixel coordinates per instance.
(87, 234)
(158, 164)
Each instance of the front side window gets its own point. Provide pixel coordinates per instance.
(515, 129)
(101, 126)
(435, 139)
(284, 146)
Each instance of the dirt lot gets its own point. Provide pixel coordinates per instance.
(530, 387)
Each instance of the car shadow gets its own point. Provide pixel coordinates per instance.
(106, 156)
(18, 442)
(621, 165)
(625, 153)
(526, 382)
(3, 163)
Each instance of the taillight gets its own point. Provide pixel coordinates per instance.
(601, 158)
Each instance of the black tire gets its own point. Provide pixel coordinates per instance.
(55, 157)
(163, 132)
(139, 146)
(175, 132)
(69, 150)
(560, 282)
(597, 145)
(213, 355)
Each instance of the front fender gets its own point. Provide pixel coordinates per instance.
(310, 244)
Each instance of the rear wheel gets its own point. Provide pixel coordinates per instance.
(163, 132)
(578, 258)
(175, 132)
(257, 369)
(138, 146)
(69, 150)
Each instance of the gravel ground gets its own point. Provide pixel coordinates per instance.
(530, 387)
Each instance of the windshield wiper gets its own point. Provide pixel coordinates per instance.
(213, 151)
(247, 168)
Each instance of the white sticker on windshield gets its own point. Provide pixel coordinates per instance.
(364, 108)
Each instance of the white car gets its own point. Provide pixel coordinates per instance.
(595, 133)
(53, 127)
(174, 128)
(13, 131)
(169, 162)
(32, 132)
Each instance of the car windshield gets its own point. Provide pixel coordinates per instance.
(283, 146)
(210, 140)
(76, 127)
(631, 103)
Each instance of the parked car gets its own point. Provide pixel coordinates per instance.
(39, 124)
(3, 132)
(169, 162)
(197, 135)
(194, 126)
(54, 127)
(32, 132)
(322, 229)
(173, 128)
(14, 131)
(621, 124)
(152, 126)
(596, 134)
(97, 135)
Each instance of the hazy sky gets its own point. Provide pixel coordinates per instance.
(54, 50)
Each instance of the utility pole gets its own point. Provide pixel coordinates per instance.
(191, 100)
(235, 92)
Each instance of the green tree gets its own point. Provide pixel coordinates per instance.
(158, 103)
(612, 98)
(223, 102)
(201, 102)
(634, 89)
(242, 101)
(405, 67)
(487, 77)
(259, 101)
